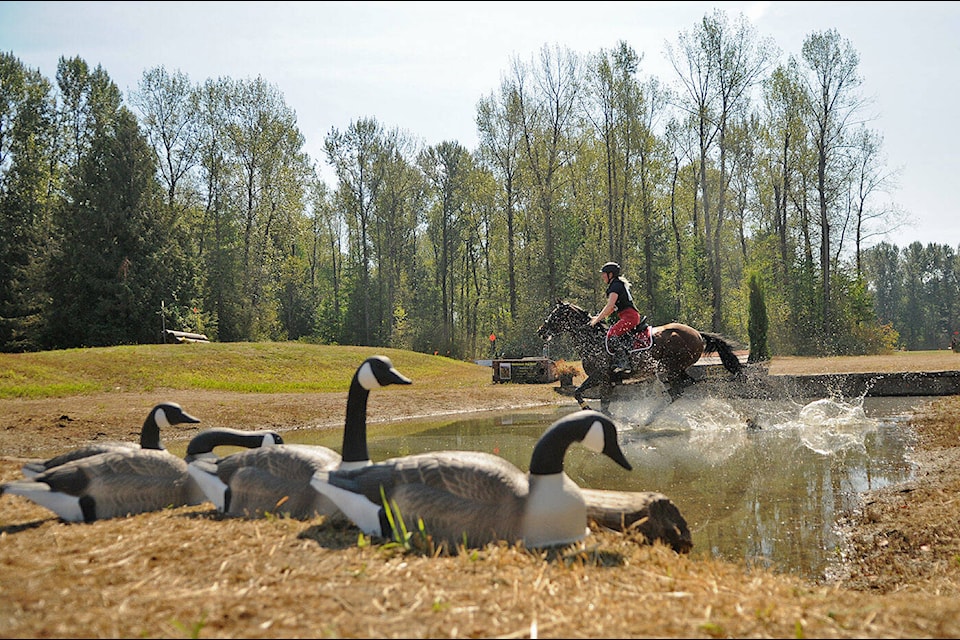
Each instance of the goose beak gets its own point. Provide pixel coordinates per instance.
(615, 453)
(399, 378)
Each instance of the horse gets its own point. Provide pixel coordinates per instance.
(663, 352)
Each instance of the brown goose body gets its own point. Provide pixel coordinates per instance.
(472, 498)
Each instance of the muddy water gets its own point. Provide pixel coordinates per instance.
(762, 481)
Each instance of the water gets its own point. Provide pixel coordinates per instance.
(762, 481)
(765, 481)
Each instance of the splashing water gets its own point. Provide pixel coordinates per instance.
(831, 426)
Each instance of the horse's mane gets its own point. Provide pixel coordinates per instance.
(597, 328)
(563, 303)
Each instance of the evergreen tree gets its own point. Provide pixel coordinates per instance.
(27, 146)
(120, 256)
(757, 324)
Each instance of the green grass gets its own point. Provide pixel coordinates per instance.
(246, 367)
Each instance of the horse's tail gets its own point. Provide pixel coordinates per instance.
(715, 343)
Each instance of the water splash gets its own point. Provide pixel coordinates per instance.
(832, 426)
(827, 426)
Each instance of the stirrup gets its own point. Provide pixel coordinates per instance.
(623, 366)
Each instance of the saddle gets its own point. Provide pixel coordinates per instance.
(642, 335)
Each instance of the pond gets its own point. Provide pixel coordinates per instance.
(762, 481)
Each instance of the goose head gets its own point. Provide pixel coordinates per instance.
(373, 373)
(595, 430)
(163, 415)
(378, 371)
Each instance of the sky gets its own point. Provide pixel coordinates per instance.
(422, 67)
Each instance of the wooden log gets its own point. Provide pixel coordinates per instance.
(648, 512)
(184, 336)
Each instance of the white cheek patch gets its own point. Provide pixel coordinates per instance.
(160, 417)
(366, 377)
(594, 439)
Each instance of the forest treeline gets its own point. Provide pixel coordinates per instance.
(193, 206)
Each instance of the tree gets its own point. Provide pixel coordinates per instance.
(89, 102)
(399, 214)
(499, 126)
(120, 257)
(27, 177)
(868, 180)
(357, 156)
(720, 63)
(170, 115)
(757, 324)
(447, 168)
(218, 242)
(830, 101)
(549, 112)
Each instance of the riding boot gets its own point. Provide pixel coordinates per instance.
(621, 353)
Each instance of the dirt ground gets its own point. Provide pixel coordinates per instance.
(188, 572)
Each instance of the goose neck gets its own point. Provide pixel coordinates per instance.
(355, 425)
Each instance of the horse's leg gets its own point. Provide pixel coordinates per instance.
(590, 382)
(606, 396)
(679, 383)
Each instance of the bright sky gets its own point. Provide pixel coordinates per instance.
(421, 67)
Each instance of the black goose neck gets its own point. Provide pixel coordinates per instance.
(207, 441)
(150, 433)
(550, 450)
(355, 426)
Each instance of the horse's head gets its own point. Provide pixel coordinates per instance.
(564, 317)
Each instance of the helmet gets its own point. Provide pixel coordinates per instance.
(611, 267)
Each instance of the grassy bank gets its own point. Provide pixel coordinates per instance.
(294, 367)
(242, 367)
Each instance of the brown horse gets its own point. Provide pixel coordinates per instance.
(664, 352)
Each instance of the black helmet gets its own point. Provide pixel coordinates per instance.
(611, 267)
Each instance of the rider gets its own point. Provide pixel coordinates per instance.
(619, 300)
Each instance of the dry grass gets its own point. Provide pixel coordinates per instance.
(188, 572)
(944, 360)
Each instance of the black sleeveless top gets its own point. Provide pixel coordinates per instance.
(624, 300)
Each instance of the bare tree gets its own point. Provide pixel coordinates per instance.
(831, 101)
(868, 180)
(718, 64)
(549, 111)
(170, 115)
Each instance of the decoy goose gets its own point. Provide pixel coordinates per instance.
(473, 498)
(160, 417)
(128, 480)
(277, 480)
